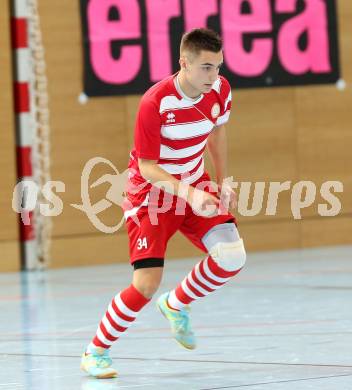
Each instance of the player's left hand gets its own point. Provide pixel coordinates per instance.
(228, 197)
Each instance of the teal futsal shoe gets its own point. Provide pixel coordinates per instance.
(98, 364)
(179, 322)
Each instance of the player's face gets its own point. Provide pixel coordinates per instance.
(203, 70)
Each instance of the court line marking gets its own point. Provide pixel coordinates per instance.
(136, 334)
(190, 360)
(276, 382)
(135, 337)
(228, 325)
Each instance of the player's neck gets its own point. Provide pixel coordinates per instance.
(186, 87)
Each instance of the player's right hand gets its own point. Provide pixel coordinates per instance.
(203, 203)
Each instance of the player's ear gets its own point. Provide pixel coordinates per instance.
(182, 62)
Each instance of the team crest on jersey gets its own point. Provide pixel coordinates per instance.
(215, 111)
(170, 118)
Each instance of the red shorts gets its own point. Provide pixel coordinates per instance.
(148, 236)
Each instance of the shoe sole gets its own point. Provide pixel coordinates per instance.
(106, 376)
(187, 346)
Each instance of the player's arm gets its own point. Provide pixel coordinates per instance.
(157, 176)
(151, 171)
(217, 148)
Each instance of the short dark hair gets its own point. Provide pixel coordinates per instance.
(201, 39)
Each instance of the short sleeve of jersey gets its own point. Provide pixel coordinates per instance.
(226, 97)
(148, 130)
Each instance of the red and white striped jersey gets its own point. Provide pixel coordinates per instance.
(173, 129)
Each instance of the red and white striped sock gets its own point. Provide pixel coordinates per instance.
(204, 278)
(121, 313)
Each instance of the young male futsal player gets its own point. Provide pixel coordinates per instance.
(177, 118)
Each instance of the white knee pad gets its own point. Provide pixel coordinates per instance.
(230, 256)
